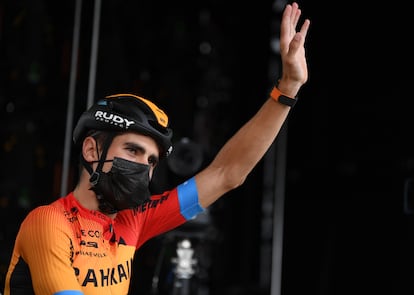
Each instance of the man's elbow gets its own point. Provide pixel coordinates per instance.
(233, 179)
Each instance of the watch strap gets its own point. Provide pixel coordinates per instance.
(276, 95)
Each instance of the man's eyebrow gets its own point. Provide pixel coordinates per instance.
(137, 146)
(133, 145)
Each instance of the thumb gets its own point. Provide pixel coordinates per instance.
(296, 43)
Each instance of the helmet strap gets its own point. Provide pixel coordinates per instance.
(104, 206)
(101, 161)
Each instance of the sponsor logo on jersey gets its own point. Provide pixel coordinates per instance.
(148, 204)
(106, 276)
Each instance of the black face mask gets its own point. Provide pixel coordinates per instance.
(125, 186)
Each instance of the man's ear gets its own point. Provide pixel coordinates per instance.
(89, 151)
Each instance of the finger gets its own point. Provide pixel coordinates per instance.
(295, 15)
(286, 17)
(298, 39)
(286, 27)
(290, 19)
(296, 44)
(305, 27)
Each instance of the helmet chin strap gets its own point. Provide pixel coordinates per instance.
(104, 205)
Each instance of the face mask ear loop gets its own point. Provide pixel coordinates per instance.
(105, 147)
(86, 164)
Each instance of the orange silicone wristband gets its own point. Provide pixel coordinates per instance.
(278, 96)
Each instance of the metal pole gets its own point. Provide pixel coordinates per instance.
(94, 51)
(278, 213)
(72, 83)
(71, 99)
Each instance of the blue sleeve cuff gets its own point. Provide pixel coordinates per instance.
(69, 292)
(188, 199)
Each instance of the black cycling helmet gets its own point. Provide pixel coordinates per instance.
(126, 112)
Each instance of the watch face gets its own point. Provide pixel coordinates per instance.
(287, 100)
(276, 95)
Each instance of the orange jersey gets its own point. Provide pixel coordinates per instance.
(65, 249)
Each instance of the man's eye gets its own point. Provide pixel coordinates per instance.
(132, 150)
(152, 161)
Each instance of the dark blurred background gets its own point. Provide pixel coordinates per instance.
(346, 153)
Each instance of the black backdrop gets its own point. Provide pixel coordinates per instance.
(349, 146)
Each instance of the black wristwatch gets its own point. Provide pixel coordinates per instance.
(276, 95)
